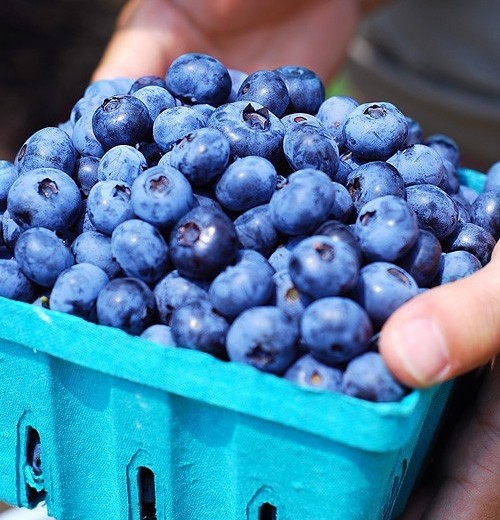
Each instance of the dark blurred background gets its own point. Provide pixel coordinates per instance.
(48, 50)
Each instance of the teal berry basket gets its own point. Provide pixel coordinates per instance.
(131, 430)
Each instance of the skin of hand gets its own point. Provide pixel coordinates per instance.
(244, 35)
(442, 333)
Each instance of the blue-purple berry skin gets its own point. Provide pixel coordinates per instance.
(14, 284)
(472, 238)
(333, 113)
(126, 303)
(42, 255)
(387, 227)
(265, 338)
(44, 197)
(155, 98)
(320, 267)
(303, 203)
(140, 250)
(95, 248)
(160, 334)
(49, 147)
(419, 164)
(203, 242)
(456, 265)
(492, 181)
(310, 373)
(422, 260)
(197, 326)
(121, 119)
(121, 163)
(267, 88)
(485, 211)
(196, 78)
(173, 291)
(375, 131)
(330, 337)
(367, 377)
(161, 195)
(76, 289)
(382, 288)
(434, 208)
(8, 174)
(287, 297)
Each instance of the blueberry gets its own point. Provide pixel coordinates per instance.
(173, 124)
(104, 88)
(485, 211)
(374, 179)
(140, 249)
(156, 99)
(287, 297)
(147, 81)
(95, 248)
(126, 303)
(335, 330)
(174, 291)
(367, 377)
(256, 231)
(247, 182)
(8, 174)
(300, 118)
(386, 227)
(161, 195)
(415, 132)
(383, 287)
(493, 177)
(201, 155)
(237, 78)
(375, 131)
(198, 78)
(434, 208)
(267, 88)
(451, 181)
(14, 284)
(309, 372)
(340, 232)
(445, 146)
(86, 173)
(109, 204)
(456, 265)
(248, 283)
(419, 164)
(204, 112)
(422, 260)
(343, 206)
(303, 203)
(76, 289)
(320, 266)
(333, 113)
(84, 139)
(305, 89)
(42, 255)
(196, 326)
(203, 243)
(308, 146)
(159, 333)
(121, 163)
(44, 197)
(49, 147)
(10, 231)
(472, 238)
(122, 119)
(251, 129)
(265, 338)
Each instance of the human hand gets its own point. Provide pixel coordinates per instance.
(447, 331)
(244, 35)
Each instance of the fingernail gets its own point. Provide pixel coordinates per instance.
(422, 350)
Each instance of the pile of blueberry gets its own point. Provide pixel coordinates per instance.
(245, 216)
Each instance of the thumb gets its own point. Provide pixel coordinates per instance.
(445, 331)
